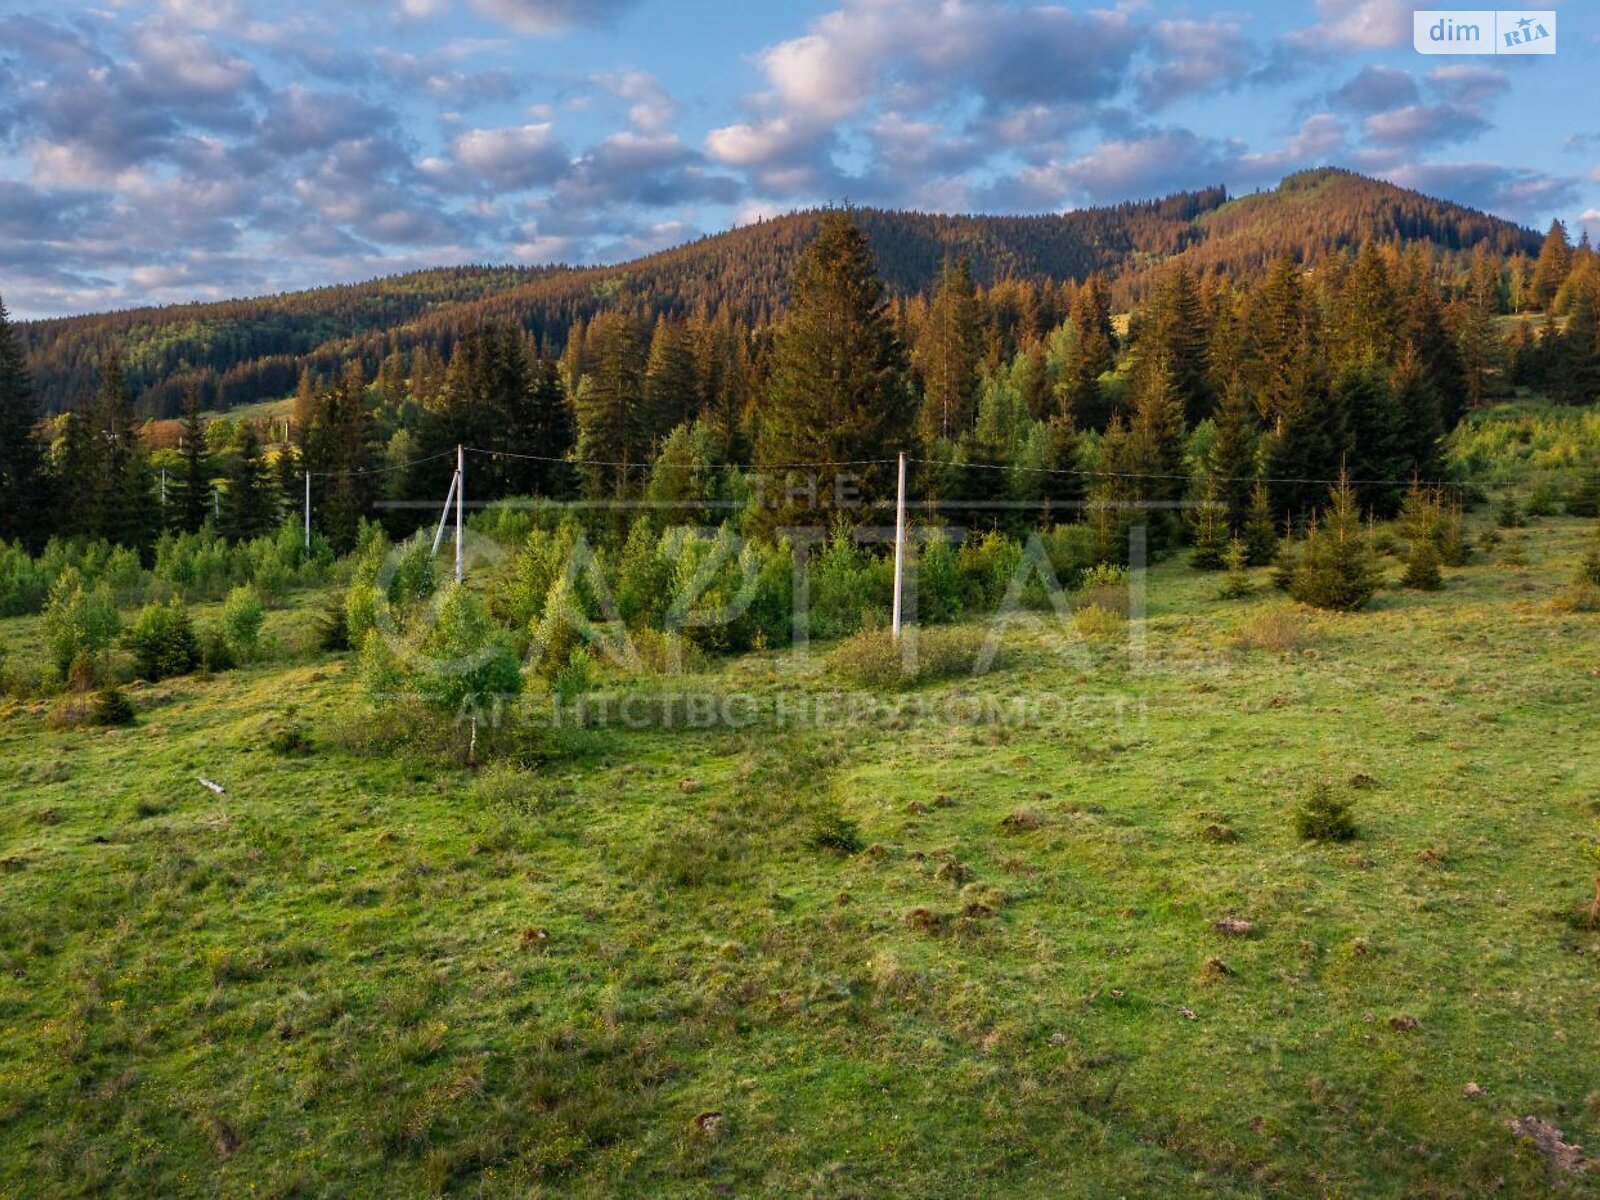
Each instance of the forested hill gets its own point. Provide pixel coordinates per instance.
(246, 350)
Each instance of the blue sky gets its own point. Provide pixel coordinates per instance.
(154, 151)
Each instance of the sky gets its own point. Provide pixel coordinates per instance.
(159, 151)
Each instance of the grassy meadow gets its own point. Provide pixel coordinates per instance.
(1077, 951)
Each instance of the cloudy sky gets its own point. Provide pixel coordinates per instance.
(154, 151)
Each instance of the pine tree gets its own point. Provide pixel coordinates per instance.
(1156, 446)
(1420, 516)
(1551, 267)
(189, 497)
(948, 356)
(23, 507)
(1037, 389)
(249, 505)
(1584, 500)
(550, 432)
(1475, 329)
(1576, 373)
(838, 388)
(1367, 311)
(79, 476)
(609, 404)
(1090, 355)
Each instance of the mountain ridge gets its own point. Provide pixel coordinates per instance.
(248, 349)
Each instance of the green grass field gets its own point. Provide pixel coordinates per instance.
(631, 971)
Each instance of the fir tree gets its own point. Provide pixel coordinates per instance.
(1091, 355)
(189, 496)
(671, 382)
(1260, 529)
(249, 504)
(1375, 445)
(611, 436)
(1209, 531)
(838, 388)
(1551, 267)
(1336, 568)
(125, 506)
(948, 356)
(1231, 457)
(1236, 584)
(23, 507)
(80, 458)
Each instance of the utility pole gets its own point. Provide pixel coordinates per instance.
(444, 516)
(461, 490)
(163, 487)
(899, 543)
(308, 510)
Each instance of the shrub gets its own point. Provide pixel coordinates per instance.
(984, 567)
(162, 641)
(1545, 501)
(845, 596)
(466, 659)
(1589, 568)
(216, 655)
(1279, 630)
(1324, 817)
(1508, 515)
(1104, 586)
(333, 629)
(287, 737)
(78, 620)
(874, 659)
(1578, 597)
(110, 708)
(831, 829)
(242, 619)
(1097, 623)
(1584, 499)
(938, 583)
(413, 577)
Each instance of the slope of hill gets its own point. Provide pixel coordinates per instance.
(245, 350)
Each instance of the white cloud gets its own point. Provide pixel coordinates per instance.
(513, 158)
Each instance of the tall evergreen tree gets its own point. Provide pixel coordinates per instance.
(671, 382)
(948, 355)
(126, 508)
(1231, 457)
(838, 390)
(1091, 354)
(189, 496)
(24, 511)
(1375, 447)
(79, 476)
(250, 503)
(1551, 267)
(1173, 331)
(612, 438)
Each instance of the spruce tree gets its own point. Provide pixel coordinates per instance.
(1209, 531)
(1231, 457)
(1236, 584)
(671, 382)
(1375, 445)
(838, 388)
(1336, 567)
(24, 511)
(249, 504)
(948, 356)
(189, 497)
(79, 476)
(550, 433)
(1551, 267)
(612, 437)
(1090, 355)
(1173, 329)
(1260, 529)
(126, 508)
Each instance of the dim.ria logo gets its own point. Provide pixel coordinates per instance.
(1483, 31)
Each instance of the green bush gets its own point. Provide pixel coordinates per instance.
(831, 829)
(846, 593)
(1324, 817)
(1422, 566)
(873, 659)
(466, 658)
(78, 620)
(110, 708)
(162, 641)
(985, 567)
(938, 583)
(242, 619)
(216, 655)
(1236, 583)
